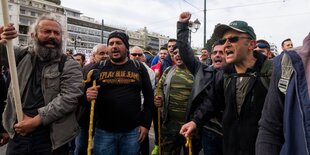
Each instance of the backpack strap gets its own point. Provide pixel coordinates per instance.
(266, 72)
(137, 65)
(102, 64)
(62, 62)
(287, 71)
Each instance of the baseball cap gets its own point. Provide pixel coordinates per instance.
(237, 25)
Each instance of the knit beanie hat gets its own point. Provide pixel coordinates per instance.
(121, 35)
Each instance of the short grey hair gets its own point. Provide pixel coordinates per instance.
(95, 48)
(136, 47)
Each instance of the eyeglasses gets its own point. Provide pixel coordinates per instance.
(262, 45)
(232, 39)
(136, 54)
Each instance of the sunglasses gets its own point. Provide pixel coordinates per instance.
(136, 54)
(232, 39)
(262, 45)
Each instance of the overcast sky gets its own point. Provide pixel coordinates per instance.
(273, 20)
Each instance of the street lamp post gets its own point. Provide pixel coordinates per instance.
(76, 39)
(193, 27)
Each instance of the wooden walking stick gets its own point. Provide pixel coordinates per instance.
(12, 65)
(158, 121)
(189, 145)
(91, 117)
(159, 143)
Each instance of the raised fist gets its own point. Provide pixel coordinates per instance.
(185, 17)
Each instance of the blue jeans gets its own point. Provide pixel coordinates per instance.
(81, 142)
(211, 143)
(122, 143)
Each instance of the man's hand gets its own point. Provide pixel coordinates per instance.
(158, 101)
(92, 92)
(143, 133)
(28, 124)
(185, 17)
(7, 33)
(188, 128)
(4, 138)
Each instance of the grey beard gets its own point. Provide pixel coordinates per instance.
(47, 54)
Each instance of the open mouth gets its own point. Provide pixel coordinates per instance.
(178, 59)
(218, 61)
(229, 52)
(50, 46)
(115, 53)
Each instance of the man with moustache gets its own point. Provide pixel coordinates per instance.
(121, 125)
(99, 53)
(212, 135)
(49, 97)
(203, 75)
(240, 89)
(204, 57)
(172, 94)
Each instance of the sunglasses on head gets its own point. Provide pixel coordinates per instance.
(232, 39)
(136, 54)
(262, 45)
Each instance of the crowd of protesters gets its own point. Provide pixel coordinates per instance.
(236, 99)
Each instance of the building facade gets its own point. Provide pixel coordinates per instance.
(82, 32)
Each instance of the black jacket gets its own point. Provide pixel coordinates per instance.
(240, 130)
(202, 91)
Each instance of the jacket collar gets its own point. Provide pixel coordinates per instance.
(260, 58)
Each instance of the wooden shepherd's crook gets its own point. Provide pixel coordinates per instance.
(159, 143)
(158, 121)
(12, 65)
(91, 117)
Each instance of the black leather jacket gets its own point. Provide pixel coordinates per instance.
(202, 91)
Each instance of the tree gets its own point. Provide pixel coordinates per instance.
(211, 41)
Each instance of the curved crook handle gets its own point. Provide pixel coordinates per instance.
(89, 74)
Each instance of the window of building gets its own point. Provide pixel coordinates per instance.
(23, 29)
(23, 21)
(22, 11)
(32, 13)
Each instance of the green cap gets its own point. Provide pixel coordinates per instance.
(237, 25)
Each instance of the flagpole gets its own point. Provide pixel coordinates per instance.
(12, 65)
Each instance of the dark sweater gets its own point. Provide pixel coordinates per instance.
(118, 106)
